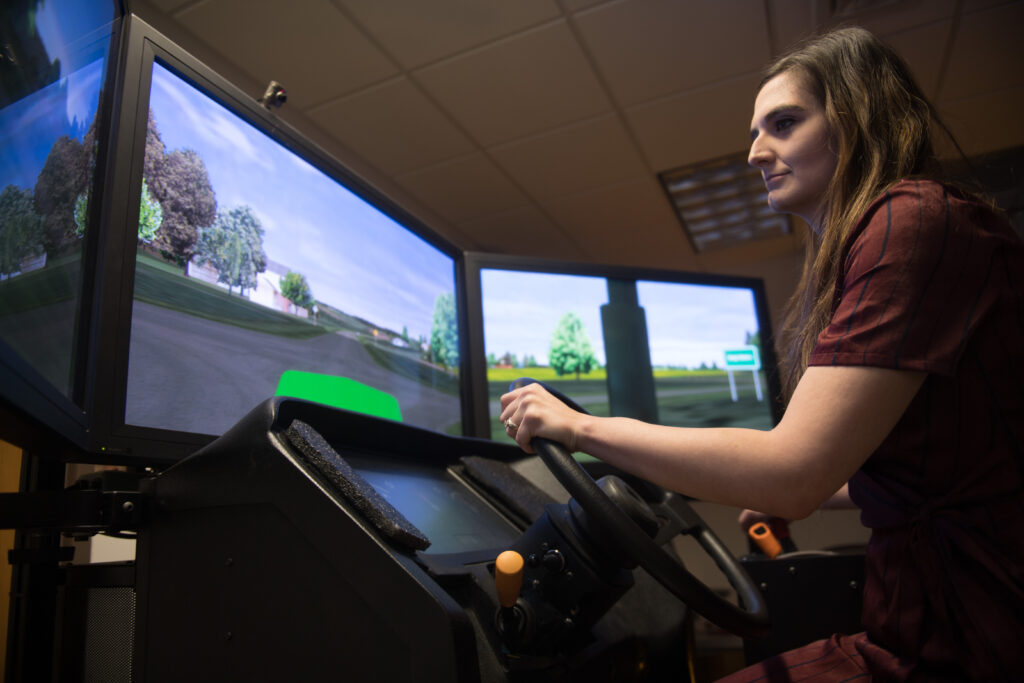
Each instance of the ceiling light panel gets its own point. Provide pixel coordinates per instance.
(722, 203)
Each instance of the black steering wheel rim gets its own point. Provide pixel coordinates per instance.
(749, 621)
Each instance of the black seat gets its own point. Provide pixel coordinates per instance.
(810, 595)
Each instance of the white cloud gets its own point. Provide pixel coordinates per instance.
(83, 87)
(218, 128)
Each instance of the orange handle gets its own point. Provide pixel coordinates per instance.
(765, 539)
(508, 577)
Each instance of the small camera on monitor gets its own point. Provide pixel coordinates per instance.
(274, 96)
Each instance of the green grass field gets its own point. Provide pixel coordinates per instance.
(160, 283)
(59, 281)
(38, 317)
(543, 374)
(697, 398)
(407, 363)
(548, 374)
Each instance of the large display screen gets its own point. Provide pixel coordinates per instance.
(707, 355)
(700, 350)
(258, 273)
(52, 74)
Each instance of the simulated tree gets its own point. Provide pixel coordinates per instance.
(60, 195)
(178, 180)
(64, 176)
(21, 229)
(295, 288)
(233, 246)
(150, 215)
(571, 351)
(444, 332)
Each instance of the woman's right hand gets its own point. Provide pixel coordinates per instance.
(531, 411)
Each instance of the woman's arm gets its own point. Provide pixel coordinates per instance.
(840, 500)
(837, 417)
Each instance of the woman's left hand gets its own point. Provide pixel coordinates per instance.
(531, 411)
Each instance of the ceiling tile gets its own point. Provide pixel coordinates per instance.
(417, 33)
(651, 48)
(560, 176)
(168, 5)
(334, 58)
(393, 126)
(919, 47)
(463, 189)
(737, 259)
(581, 156)
(696, 126)
(986, 122)
(888, 17)
(577, 5)
(791, 22)
(517, 87)
(524, 230)
(630, 223)
(986, 53)
(975, 5)
(795, 20)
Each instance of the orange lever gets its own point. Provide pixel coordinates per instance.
(765, 539)
(508, 577)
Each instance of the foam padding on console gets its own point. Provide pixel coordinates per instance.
(344, 480)
(511, 488)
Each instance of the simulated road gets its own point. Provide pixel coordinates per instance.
(197, 375)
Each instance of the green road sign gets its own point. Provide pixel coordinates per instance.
(745, 358)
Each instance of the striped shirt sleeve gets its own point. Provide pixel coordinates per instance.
(913, 286)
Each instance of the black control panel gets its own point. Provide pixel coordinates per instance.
(308, 541)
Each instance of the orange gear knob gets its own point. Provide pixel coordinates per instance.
(765, 539)
(508, 577)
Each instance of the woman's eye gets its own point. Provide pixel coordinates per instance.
(783, 124)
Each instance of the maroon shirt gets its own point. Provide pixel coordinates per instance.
(934, 281)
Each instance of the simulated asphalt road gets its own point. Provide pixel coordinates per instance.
(197, 375)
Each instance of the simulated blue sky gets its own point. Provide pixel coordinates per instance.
(78, 35)
(692, 324)
(354, 257)
(522, 309)
(686, 324)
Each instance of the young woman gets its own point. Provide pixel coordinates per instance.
(901, 362)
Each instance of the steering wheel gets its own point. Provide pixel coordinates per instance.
(750, 621)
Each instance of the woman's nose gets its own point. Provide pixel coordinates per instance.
(759, 153)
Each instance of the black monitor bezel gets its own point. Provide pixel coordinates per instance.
(475, 262)
(111, 439)
(36, 415)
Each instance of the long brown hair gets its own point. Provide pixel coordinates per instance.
(882, 125)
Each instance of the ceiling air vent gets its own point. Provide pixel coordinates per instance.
(722, 203)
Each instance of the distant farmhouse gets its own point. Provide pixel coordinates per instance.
(26, 265)
(268, 286)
